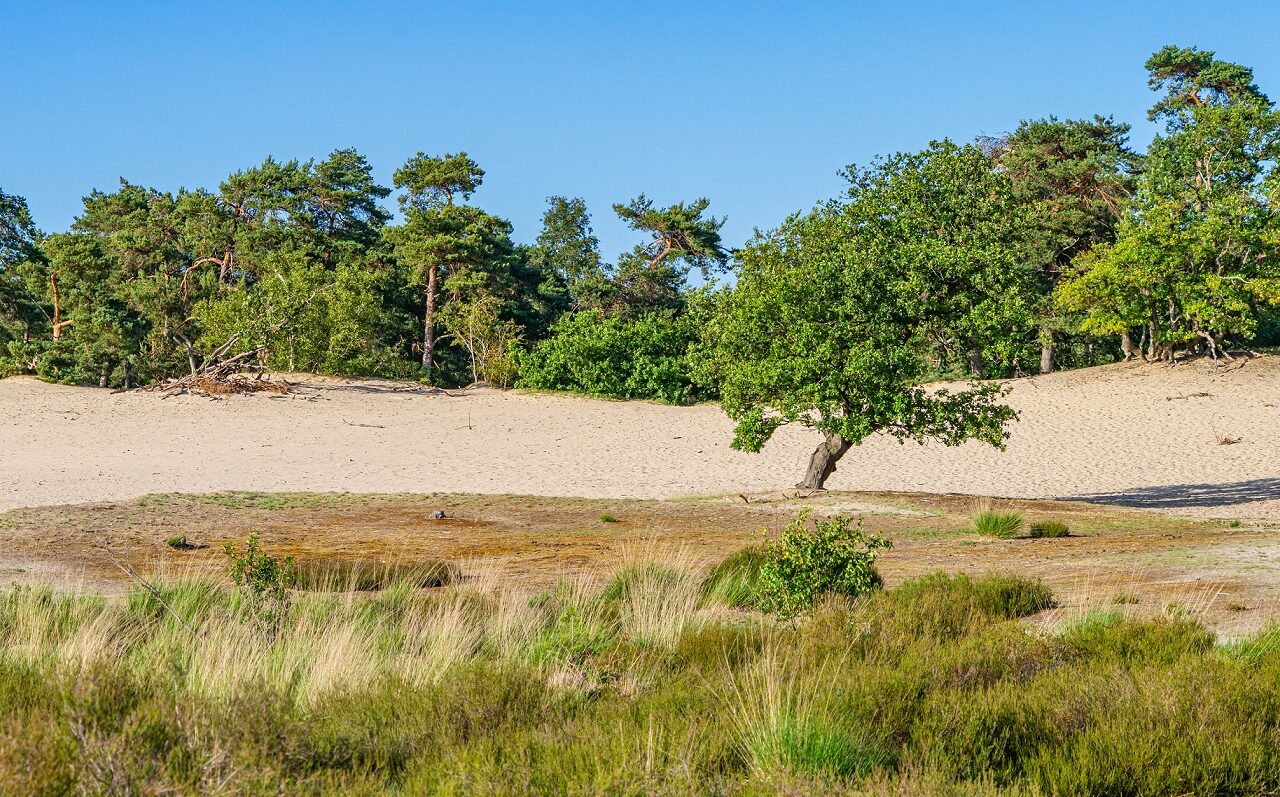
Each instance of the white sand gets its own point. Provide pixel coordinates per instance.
(1112, 433)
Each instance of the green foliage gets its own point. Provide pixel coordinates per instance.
(836, 314)
(607, 518)
(265, 578)
(1005, 525)
(812, 559)
(178, 541)
(930, 687)
(1160, 641)
(946, 606)
(600, 355)
(1192, 264)
(568, 250)
(1049, 528)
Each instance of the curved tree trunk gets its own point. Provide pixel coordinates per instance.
(823, 462)
(1046, 354)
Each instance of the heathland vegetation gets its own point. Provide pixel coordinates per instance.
(663, 678)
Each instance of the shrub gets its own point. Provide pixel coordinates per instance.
(1004, 525)
(1159, 641)
(574, 626)
(1049, 528)
(179, 542)
(264, 577)
(825, 557)
(944, 607)
(600, 355)
(735, 581)
(607, 518)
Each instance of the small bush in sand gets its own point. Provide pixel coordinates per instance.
(1048, 528)
(1004, 525)
(178, 542)
(607, 518)
(813, 559)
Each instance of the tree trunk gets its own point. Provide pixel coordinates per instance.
(57, 307)
(976, 365)
(428, 324)
(1046, 354)
(128, 374)
(823, 462)
(1126, 345)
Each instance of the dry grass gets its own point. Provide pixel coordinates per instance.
(531, 543)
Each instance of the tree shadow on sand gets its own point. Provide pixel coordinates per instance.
(1174, 496)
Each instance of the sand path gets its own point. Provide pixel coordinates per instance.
(1133, 434)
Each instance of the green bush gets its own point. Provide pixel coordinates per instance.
(1004, 525)
(812, 559)
(600, 355)
(932, 687)
(1159, 641)
(1049, 528)
(944, 607)
(265, 578)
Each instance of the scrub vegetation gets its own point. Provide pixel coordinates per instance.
(646, 681)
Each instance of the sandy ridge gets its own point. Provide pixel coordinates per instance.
(1133, 434)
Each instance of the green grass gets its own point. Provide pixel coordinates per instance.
(1048, 528)
(733, 582)
(607, 518)
(1003, 525)
(357, 575)
(624, 686)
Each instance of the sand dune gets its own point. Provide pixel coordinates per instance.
(1132, 434)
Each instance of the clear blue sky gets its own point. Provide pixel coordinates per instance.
(754, 105)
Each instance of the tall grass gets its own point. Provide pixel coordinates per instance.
(635, 684)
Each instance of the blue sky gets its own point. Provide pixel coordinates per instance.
(754, 105)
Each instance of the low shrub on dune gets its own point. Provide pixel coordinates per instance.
(1003, 525)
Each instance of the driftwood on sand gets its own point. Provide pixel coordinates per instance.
(218, 374)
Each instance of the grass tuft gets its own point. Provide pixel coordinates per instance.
(1003, 525)
(734, 581)
(1048, 528)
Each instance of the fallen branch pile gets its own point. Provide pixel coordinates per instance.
(220, 375)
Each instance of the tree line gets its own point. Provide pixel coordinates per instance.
(1056, 245)
(300, 260)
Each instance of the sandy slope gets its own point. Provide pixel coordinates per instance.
(1138, 435)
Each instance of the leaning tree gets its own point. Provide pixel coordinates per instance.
(681, 238)
(838, 315)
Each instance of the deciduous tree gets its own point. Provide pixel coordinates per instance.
(836, 313)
